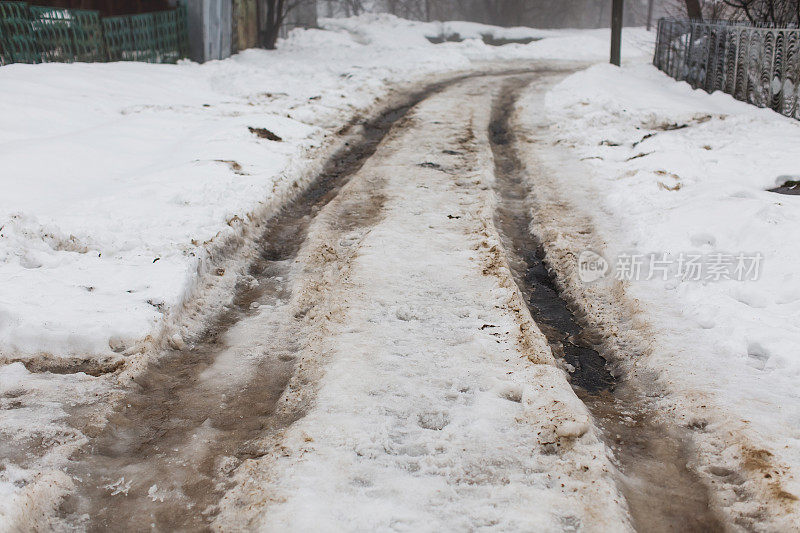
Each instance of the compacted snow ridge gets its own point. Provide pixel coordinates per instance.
(627, 162)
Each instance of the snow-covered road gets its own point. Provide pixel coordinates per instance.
(380, 367)
(439, 405)
(393, 333)
(133, 205)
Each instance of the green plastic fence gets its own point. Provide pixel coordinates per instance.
(31, 34)
(67, 35)
(153, 37)
(16, 39)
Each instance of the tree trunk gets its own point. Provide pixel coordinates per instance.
(270, 17)
(269, 31)
(693, 9)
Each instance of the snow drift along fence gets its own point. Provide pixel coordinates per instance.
(758, 65)
(31, 34)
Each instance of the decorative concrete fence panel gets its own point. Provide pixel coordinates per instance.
(758, 65)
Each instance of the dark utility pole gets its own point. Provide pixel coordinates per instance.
(650, 15)
(616, 32)
(695, 11)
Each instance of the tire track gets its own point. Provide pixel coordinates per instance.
(164, 459)
(661, 492)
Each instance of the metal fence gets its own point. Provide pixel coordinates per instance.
(758, 65)
(31, 34)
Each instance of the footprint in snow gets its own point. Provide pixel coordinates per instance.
(433, 420)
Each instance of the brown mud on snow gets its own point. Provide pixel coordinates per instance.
(45, 362)
(166, 456)
(662, 493)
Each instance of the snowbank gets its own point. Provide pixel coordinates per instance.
(119, 180)
(387, 31)
(669, 170)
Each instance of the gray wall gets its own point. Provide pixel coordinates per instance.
(210, 27)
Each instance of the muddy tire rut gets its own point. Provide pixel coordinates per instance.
(662, 493)
(166, 456)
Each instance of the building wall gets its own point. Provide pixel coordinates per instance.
(245, 24)
(210, 29)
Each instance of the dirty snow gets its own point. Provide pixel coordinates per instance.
(34, 441)
(439, 404)
(659, 168)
